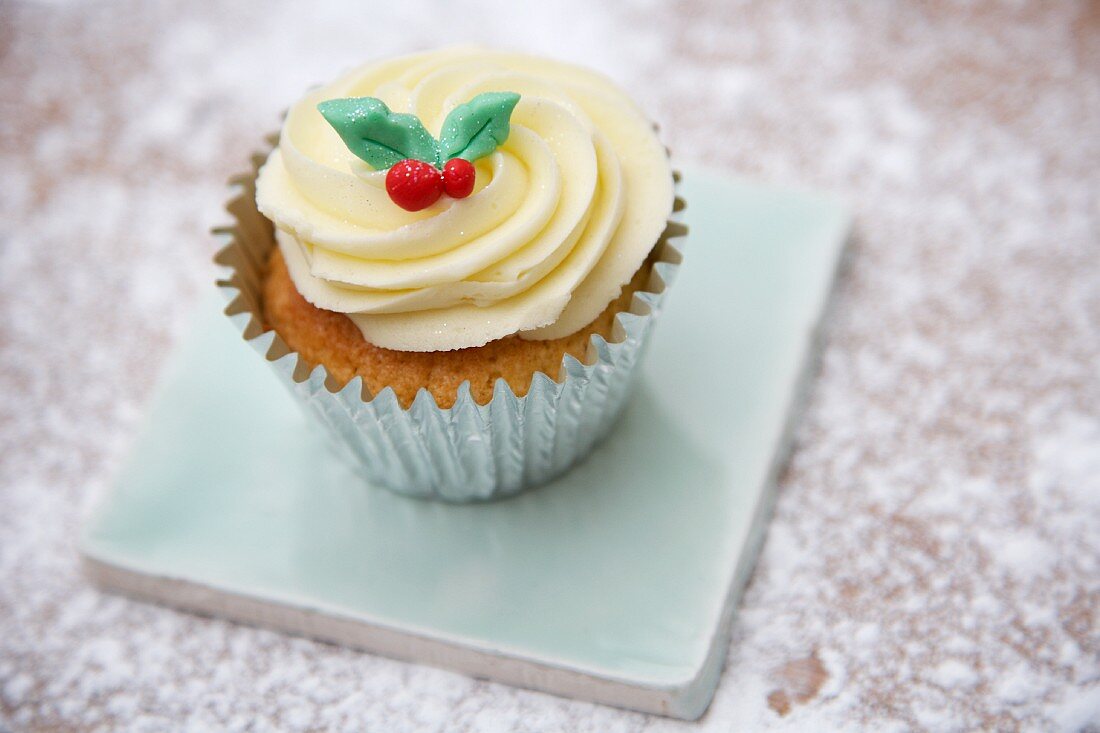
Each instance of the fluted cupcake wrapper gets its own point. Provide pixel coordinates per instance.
(468, 452)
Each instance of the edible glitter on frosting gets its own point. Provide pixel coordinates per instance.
(562, 214)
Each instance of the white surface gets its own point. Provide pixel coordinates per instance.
(941, 506)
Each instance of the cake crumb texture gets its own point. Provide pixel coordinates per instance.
(332, 339)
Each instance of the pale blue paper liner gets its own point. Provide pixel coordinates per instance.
(468, 452)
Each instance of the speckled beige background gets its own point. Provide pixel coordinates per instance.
(935, 559)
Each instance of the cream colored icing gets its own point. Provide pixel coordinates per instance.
(562, 214)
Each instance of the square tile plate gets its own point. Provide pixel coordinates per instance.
(615, 584)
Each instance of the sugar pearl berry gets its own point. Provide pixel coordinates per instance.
(414, 185)
(458, 178)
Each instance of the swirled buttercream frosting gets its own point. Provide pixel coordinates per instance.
(561, 216)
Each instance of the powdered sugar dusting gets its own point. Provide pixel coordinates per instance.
(935, 559)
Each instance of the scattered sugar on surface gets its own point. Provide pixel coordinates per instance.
(935, 559)
(954, 674)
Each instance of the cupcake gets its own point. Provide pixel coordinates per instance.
(454, 259)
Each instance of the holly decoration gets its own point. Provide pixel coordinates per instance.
(413, 184)
(458, 178)
(400, 143)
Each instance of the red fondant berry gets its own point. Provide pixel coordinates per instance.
(414, 185)
(458, 178)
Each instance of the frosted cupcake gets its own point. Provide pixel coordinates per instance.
(469, 248)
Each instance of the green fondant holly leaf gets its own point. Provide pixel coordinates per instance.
(475, 129)
(378, 136)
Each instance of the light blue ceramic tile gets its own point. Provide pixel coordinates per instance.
(611, 583)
